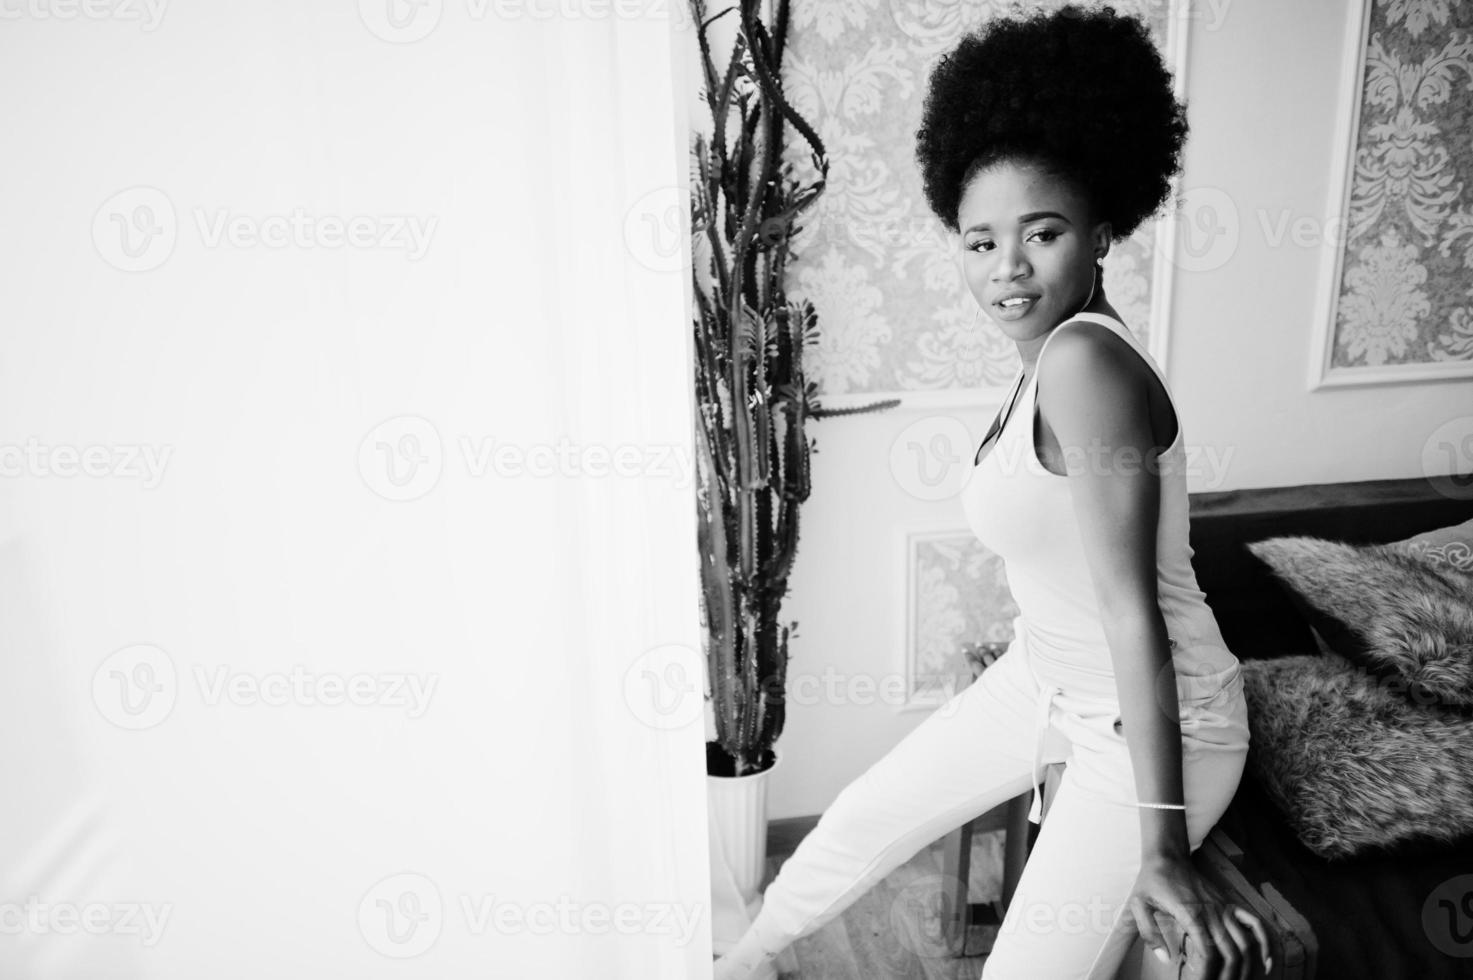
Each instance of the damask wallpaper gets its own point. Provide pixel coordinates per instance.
(1404, 295)
(894, 313)
(958, 594)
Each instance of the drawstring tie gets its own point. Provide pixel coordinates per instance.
(1046, 694)
(1045, 699)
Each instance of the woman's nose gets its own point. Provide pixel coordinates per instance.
(1009, 266)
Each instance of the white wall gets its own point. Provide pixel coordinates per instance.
(1262, 87)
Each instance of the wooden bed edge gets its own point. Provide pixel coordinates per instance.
(1295, 948)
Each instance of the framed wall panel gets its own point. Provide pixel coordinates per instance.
(955, 592)
(1396, 290)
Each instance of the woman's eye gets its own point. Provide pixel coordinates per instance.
(1044, 235)
(980, 245)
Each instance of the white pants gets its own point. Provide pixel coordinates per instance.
(986, 745)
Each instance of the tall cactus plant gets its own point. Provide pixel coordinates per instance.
(753, 398)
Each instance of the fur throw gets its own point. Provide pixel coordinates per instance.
(1352, 764)
(1386, 609)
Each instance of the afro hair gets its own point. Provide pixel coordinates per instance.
(1082, 92)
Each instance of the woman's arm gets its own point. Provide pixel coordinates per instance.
(1098, 410)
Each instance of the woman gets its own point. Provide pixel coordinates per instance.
(1044, 140)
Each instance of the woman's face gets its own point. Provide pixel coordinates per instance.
(1028, 249)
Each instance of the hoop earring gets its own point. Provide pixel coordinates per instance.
(1093, 286)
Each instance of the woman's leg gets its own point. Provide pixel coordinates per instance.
(1068, 919)
(974, 753)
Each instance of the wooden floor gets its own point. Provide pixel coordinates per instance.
(890, 933)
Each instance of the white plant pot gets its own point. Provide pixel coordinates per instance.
(738, 830)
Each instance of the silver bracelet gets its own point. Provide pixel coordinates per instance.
(1164, 806)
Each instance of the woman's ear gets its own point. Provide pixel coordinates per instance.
(1102, 240)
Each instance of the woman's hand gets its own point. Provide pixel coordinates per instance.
(982, 655)
(1217, 930)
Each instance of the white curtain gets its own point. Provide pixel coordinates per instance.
(348, 621)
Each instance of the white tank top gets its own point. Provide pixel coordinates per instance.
(1024, 513)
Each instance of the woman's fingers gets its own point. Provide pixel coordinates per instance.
(1218, 956)
(1151, 935)
(1237, 948)
(1253, 922)
(1232, 922)
(1234, 943)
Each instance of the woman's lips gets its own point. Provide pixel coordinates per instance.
(1013, 311)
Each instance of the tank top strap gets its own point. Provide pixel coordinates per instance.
(1120, 330)
(1124, 333)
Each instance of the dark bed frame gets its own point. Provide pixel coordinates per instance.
(1255, 614)
(1371, 917)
